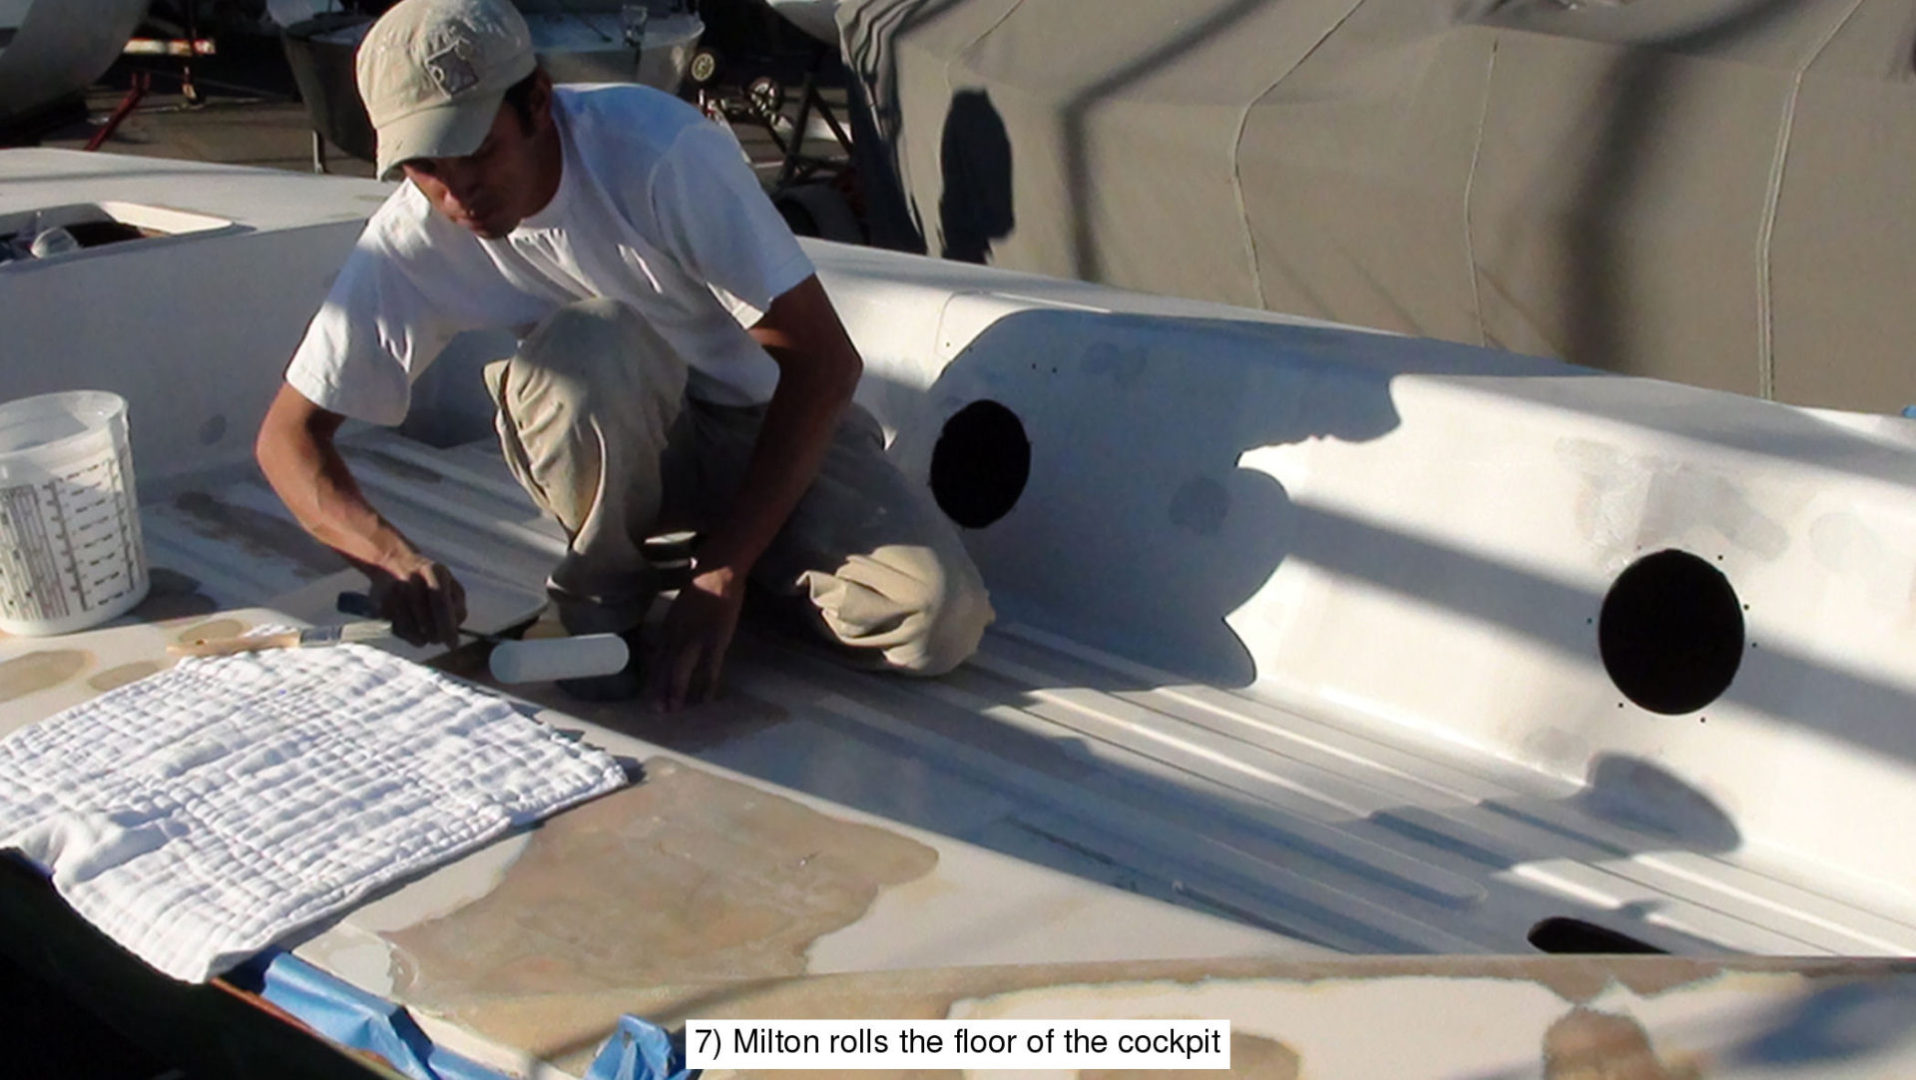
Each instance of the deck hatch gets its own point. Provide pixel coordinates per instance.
(97, 224)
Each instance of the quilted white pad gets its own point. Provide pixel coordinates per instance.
(199, 815)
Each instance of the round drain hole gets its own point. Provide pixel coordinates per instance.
(1561, 934)
(980, 464)
(1671, 633)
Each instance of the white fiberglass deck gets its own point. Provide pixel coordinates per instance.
(1056, 795)
(1341, 832)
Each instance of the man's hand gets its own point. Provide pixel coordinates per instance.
(296, 453)
(698, 631)
(423, 600)
(817, 370)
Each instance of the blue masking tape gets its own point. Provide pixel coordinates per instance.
(353, 1018)
(638, 1050)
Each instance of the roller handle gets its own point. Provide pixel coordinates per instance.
(360, 604)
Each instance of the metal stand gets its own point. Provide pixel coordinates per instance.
(142, 82)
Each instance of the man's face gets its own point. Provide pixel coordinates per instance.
(509, 178)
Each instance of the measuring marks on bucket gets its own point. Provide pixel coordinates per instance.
(71, 556)
(73, 542)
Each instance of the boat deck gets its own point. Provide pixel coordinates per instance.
(1348, 835)
(1076, 807)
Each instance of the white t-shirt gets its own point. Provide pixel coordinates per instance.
(656, 207)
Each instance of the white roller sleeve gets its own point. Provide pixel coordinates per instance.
(559, 658)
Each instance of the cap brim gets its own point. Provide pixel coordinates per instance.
(452, 130)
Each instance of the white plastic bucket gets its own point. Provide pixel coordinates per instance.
(70, 549)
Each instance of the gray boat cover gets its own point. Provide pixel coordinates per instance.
(1721, 192)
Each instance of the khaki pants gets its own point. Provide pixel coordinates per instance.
(596, 425)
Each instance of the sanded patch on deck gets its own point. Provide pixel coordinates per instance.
(40, 670)
(683, 877)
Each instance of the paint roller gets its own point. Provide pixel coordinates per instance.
(512, 661)
(541, 660)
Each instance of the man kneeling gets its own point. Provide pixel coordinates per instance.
(680, 366)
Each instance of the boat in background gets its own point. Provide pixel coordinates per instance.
(816, 17)
(577, 41)
(51, 50)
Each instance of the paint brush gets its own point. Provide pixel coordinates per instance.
(315, 637)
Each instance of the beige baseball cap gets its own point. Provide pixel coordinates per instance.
(434, 72)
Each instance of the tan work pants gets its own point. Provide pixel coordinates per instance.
(596, 425)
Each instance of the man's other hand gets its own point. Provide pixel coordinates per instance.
(423, 600)
(698, 631)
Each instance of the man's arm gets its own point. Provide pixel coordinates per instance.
(296, 452)
(818, 370)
